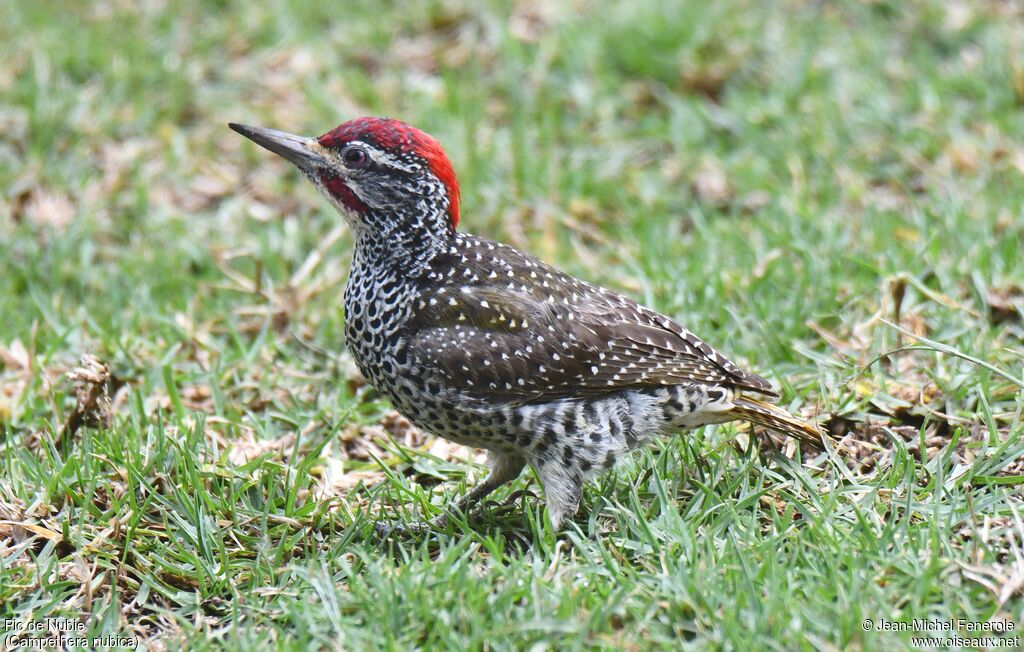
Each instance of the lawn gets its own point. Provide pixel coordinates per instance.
(830, 192)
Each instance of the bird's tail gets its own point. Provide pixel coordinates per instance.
(775, 418)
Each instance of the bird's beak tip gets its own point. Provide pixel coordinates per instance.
(300, 150)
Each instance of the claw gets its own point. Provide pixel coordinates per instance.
(385, 530)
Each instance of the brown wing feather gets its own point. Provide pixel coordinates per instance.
(510, 327)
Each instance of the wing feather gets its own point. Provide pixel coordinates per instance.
(512, 328)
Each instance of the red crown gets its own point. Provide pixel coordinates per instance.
(399, 138)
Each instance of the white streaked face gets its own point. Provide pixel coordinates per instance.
(379, 190)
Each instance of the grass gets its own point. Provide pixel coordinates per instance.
(787, 178)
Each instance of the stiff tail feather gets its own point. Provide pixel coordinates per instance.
(775, 418)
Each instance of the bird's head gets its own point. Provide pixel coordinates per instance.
(386, 177)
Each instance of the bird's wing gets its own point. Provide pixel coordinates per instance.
(509, 327)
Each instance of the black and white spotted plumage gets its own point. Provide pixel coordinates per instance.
(484, 345)
(509, 327)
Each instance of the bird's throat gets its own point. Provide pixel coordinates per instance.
(403, 251)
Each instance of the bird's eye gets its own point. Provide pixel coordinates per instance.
(355, 157)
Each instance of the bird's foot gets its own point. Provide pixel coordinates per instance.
(397, 528)
(414, 528)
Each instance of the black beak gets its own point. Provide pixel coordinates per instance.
(300, 150)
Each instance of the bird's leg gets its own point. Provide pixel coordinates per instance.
(562, 491)
(503, 468)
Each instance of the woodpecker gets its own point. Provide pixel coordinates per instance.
(477, 342)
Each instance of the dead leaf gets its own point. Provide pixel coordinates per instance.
(16, 356)
(248, 448)
(711, 185)
(336, 481)
(92, 405)
(531, 19)
(854, 346)
(708, 78)
(46, 208)
(198, 398)
(1005, 303)
(403, 430)
(962, 156)
(21, 530)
